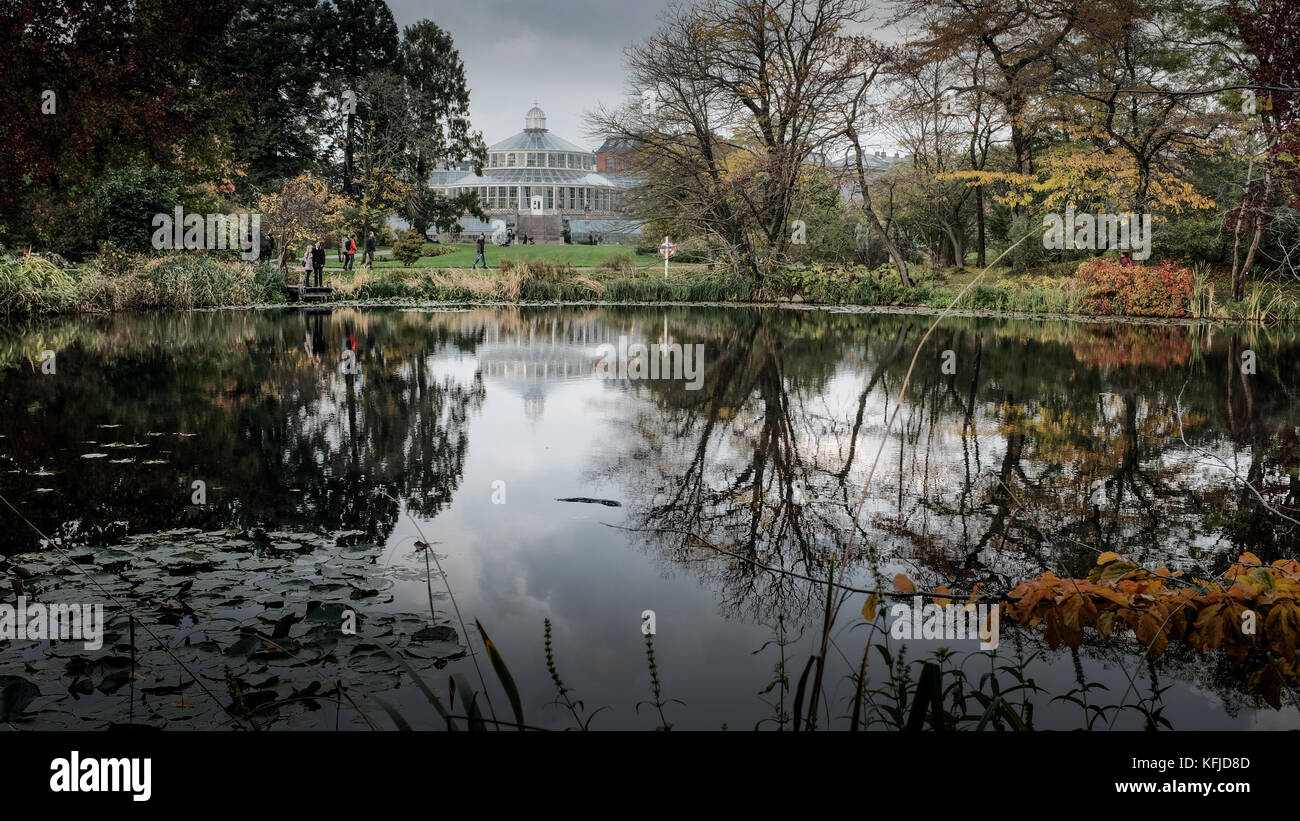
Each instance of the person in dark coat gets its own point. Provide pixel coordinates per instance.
(479, 244)
(318, 261)
(369, 258)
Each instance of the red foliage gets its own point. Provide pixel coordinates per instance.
(1162, 290)
(1111, 346)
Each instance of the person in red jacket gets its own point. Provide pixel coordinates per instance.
(351, 253)
(1125, 261)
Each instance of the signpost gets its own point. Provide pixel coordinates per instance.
(667, 250)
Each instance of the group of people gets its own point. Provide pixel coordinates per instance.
(313, 260)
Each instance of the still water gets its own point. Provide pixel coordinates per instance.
(218, 469)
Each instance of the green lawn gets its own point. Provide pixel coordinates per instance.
(579, 256)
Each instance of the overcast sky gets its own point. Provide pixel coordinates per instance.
(565, 54)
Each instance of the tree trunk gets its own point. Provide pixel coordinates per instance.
(347, 157)
(1020, 146)
(1239, 282)
(979, 227)
(894, 253)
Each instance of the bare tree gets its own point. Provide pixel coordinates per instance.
(741, 94)
(863, 60)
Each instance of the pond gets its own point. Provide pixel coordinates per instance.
(215, 473)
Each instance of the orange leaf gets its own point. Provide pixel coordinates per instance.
(1108, 556)
(903, 584)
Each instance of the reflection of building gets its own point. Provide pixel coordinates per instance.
(535, 182)
(550, 354)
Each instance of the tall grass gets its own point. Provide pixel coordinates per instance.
(34, 285)
(114, 281)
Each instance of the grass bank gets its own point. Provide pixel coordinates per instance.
(1048, 291)
(114, 281)
(462, 255)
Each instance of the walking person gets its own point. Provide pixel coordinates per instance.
(318, 261)
(481, 255)
(351, 253)
(369, 258)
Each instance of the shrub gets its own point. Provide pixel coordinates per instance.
(126, 200)
(410, 247)
(1162, 290)
(619, 263)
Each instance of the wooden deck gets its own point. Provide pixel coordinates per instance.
(309, 293)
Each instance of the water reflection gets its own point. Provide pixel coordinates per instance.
(1048, 443)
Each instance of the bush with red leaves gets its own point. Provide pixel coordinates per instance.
(1162, 290)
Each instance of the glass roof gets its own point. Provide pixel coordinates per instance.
(537, 141)
(535, 137)
(538, 176)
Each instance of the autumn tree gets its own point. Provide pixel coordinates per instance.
(1123, 87)
(1021, 40)
(90, 86)
(303, 210)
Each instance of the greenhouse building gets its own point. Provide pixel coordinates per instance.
(535, 182)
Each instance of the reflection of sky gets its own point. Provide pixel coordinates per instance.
(515, 564)
(532, 558)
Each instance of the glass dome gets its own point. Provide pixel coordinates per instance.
(535, 119)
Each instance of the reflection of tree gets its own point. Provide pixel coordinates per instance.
(750, 464)
(279, 434)
(1050, 444)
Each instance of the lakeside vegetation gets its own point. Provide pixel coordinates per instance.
(114, 280)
